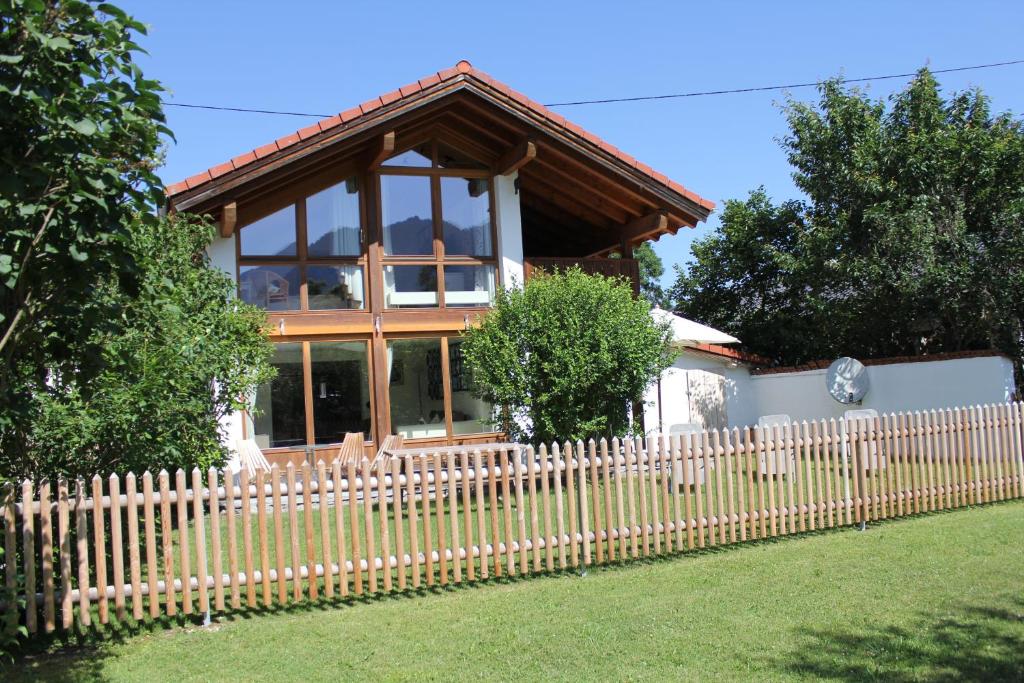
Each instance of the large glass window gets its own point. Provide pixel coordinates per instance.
(470, 415)
(438, 229)
(280, 271)
(466, 215)
(407, 217)
(416, 388)
(272, 235)
(332, 221)
(341, 390)
(279, 409)
(337, 401)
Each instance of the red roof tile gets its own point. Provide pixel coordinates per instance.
(465, 70)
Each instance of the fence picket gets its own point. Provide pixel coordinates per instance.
(645, 533)
(606, 498)
(250, 566)
(312, 590)
(231, 531)
(716, 447)
(458, 551)
(492, 493)
(10, 544)
(442, 532)
(729, 456)
(325, 525)
(414, 541)
(46, 549)
(1018, 447)
(481, 527)
(517, 467)
(687, 467)
(397, 494)
(774, 483)
(506, 508)
(84, 617)
(627, 455)
(652, 471)
(339, 524)
(183, 542)
(663, 491)
(99, 553)
(371, 551)
(167, 536)
(116, 547)
(808, 503)
(699, 472)
(467, 515)
(385, 528)
(279, 543)
(149, 520)
(556, 467)
(584, 512)
(570, 494)
(620, 503)
(595, 500)
(64, 529)
(428, 525)
(531, 475)
(266, 589)
(28, 547)
(215, 542)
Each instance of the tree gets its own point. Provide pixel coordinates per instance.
(651, 270)
(565, 356)
(910, 239)
(80, 130)
(181, 355)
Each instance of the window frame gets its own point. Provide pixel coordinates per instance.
(439, 259)
(302, 259)
(248, 423)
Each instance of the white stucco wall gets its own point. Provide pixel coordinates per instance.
(802, 395)
(222, 256)
(510, 229)
(893, 388)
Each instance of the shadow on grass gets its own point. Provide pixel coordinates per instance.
(969, 644)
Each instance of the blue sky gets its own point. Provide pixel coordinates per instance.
(328, 56)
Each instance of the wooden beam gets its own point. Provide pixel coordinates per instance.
(644, 227)
(228, 219)
(383, 148)
(515, 158)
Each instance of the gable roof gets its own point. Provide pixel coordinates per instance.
(462, 74)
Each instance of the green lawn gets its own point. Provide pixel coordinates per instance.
(933, 597)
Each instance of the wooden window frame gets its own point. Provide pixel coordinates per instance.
(302, 259)
(439, 259)
(446, 381)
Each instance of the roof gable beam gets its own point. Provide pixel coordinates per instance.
(515, 158)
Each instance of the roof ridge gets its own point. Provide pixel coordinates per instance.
(463, 68)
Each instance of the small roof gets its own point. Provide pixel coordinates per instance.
(688, 332)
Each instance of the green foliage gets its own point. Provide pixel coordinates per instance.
(178, 356)
(80, 129)
(910, 241)
(651, 270)
(565, 356)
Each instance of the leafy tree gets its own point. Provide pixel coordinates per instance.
(651, 270)
(565, 356)
(181, 354)
(80, 130)
(910, 239)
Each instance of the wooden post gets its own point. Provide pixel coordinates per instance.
(250, 566)
(428, 526)
(385, 530)
(595, 499)
(467, 514)
(652, 471)
(584, 513)
(28, 548)
(630, 469)
(506, 508)
(606, 489)
(199, 522)
(442, 532)
(495, 512)
(771, 456)
(570, 492)
(688, 467)
(719, 494)
(261, 521)
(730, 463)
(397, 494)
(64, 528)
(99, 547)
(481, 508)
(279, 542)
(620, 506)
(151, 557)
(371, 550)
(556, 458)
(232, 534)
(645, 533)
(353, 518)
(116, 545)
(11, 550)
(81, 529)
(325, 524)
(339, 524)
(517, 456)
(698, 486)
(666, 515)
(545, 497)
(183, 541)
(171, 606)
(46, 536)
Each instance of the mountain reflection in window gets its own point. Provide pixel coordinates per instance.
(407, 217)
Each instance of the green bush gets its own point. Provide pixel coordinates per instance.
(565, 356)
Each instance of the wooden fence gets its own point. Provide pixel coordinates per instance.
(132, 547)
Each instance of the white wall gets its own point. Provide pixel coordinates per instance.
(893, 388)
(222, 256)
(510, 229)
(802, 395)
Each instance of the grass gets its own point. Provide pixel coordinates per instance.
(934, 597)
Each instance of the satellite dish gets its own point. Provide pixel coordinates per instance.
(847, 380)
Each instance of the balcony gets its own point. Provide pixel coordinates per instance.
(610, 267)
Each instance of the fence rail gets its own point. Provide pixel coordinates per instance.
(120, 548)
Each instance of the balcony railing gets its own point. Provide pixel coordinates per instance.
(610, 267)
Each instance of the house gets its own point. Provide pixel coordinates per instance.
(713, 386)
(374, 237)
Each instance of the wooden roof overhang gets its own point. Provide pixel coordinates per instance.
(567, 177)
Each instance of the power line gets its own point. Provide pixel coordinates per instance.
(643, 98)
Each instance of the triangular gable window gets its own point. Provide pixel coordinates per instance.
(417, 157)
